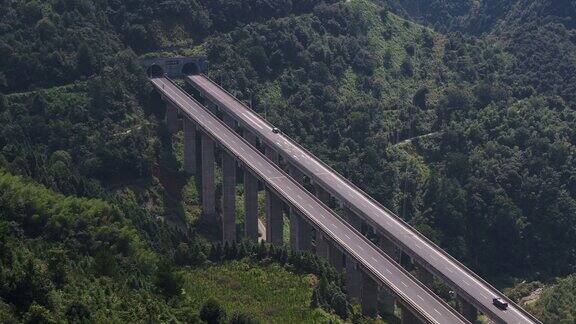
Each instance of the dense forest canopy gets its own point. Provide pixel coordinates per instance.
(456, 134)
(460, 116)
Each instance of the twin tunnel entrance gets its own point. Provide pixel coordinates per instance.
(156, 70)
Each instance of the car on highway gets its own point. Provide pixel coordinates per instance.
(275, 130)
(500, 303)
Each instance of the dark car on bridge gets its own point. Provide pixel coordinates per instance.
(500, 303)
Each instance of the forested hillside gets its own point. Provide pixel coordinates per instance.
(538, 36)
(432, 126)
(556, 305)
(95, 211)
(483, 16)
(457, 115)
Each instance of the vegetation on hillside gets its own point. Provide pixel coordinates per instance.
(428, 125)
(97, 221)
(271, 293)
(556, 304)
(468, 135)
(74, 259)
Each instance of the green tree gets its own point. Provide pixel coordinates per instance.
(86, 64)
(168, 280)
(77, 312)
(407, 68)
(212, 312)
(38, 314)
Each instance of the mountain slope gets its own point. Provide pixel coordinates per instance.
(351, 80)
(467, 135)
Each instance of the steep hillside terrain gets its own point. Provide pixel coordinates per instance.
(484, 16)
(539, 36)
(430, 125)
(95, 219)
(466, 128)
(556, 303)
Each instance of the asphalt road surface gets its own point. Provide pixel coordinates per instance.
(425, 303)
(466, 282)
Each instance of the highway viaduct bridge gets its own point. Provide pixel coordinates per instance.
(373, 275)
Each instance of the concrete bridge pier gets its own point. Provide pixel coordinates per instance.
(353, 280)
(369, 296)
(388, 247)
(271, 154)
(300, 230)
(228, 198)
(353, 219)
(250, 198)
(322, 194)
(467, 310)
(335, 257)
(408, 317)
(190, 165)
(274, 219)
(296, 174)
(171, 118)
(228, 192)
(212, 107)
(274, 213)
(322, 245)
(425, 276)
(208, 193)
(386, 301)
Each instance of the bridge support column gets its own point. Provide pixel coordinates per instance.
(322, 194)
(321, 245)
(386, 301)
(369, 296)
(208, 194)
(271, 154)
(425, 276)
(353, 280)
(228, 193)
(388, 247)
(212, 107)
(300, 230)
(467, 310)
(228, 198)
(189, 146)
(353, 219)
(250, 198)
(408, 317)
(274, 219)
(171, 118)
(336, 257)
(296, 174)
(274, 215)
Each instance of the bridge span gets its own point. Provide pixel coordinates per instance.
(365, 265)
(394, 234)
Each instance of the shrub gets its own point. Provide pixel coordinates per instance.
(212, 312)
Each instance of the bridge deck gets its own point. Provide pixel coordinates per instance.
(381, 267)
(463, 280)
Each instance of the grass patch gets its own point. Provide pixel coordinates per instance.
(269, 293)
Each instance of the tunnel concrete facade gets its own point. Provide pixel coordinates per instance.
(173, 67)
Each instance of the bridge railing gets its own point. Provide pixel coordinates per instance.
(396, 218)
(406, 299)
